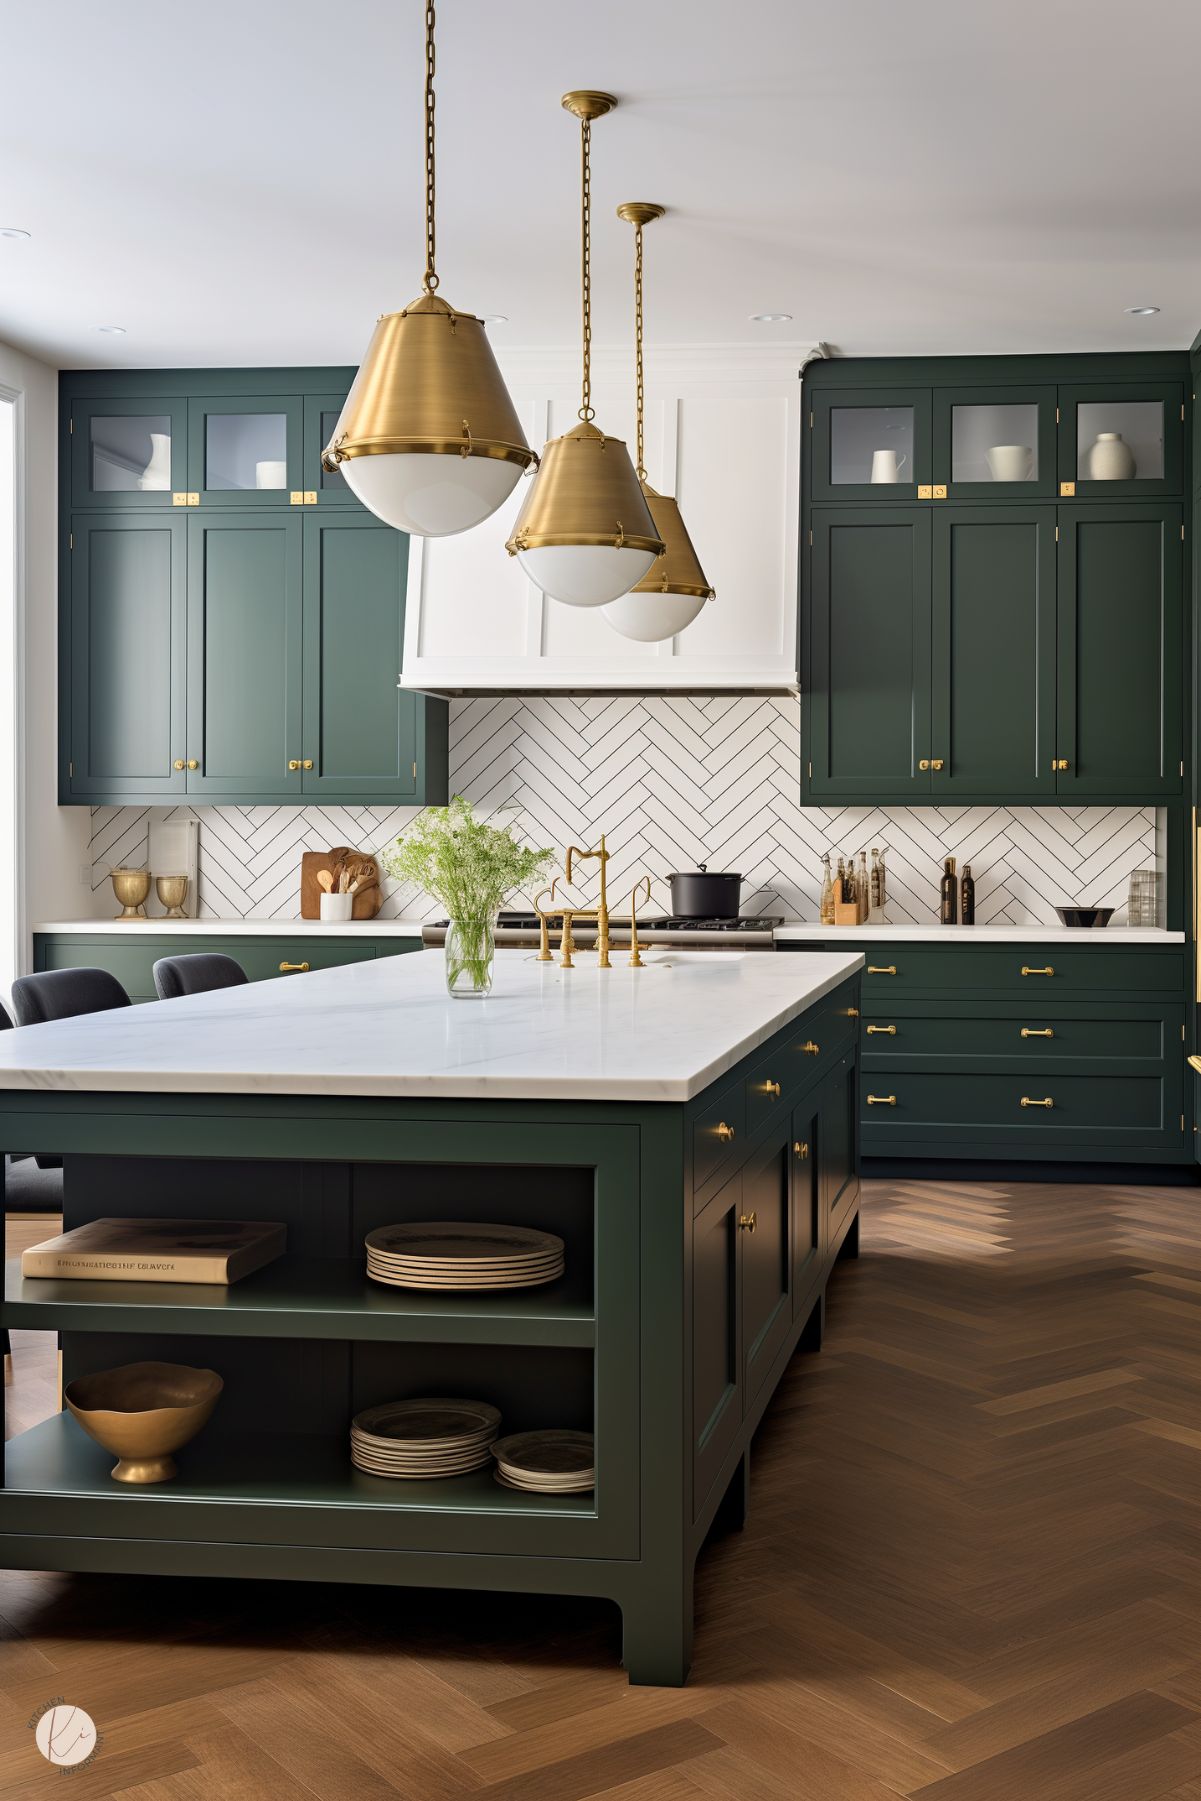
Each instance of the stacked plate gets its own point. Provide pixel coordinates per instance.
(419, 1440)
(547, 1463)
(455, 1254)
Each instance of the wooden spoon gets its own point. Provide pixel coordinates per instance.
(325, 880)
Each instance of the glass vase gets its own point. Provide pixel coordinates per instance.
(470, 955)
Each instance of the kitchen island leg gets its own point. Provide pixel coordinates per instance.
(656, 1625)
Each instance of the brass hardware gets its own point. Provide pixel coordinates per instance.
(884, 1031)
(635, 957)
(1057, 415)
(810, 1049)
(1066, 490)
(293, 764)
(193, 763)
(852, 1012)
(746, 1222)
(1037, 1032)
(881, 1100)
(1027, 971)
(881, 969)
(1194, 1063)
(1027, 1102)
(724, 1132)
(936, 762)
(1057, 534)
(772, 1088)
(71, 430)
(307, 763)
(1060, 763)
(71, 545)
(179, 763)
(925, 491)
(286, 969)
(924, 763)
(193, 500)
(939, 491)
(801, 1149)
(296, 497)
(70, 771)
(310, 497)
(179, 500)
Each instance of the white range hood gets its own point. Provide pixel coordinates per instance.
(723, 436)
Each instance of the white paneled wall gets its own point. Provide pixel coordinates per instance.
(672, 781)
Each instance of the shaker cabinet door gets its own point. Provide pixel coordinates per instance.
(765, 1222)
(717, 1368)
(993, 727)
(867, 693)
(127, 658)
(1121, 650)
(1121, 440)
(870, 444)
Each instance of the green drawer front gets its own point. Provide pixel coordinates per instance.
(1031, 1039)
(801, 1056)
(132, 960)
(717, 1133)
(914, 969)
(1098, 1110)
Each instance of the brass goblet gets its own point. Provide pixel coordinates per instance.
(131, 886)
(142, 1412)
(171, 890)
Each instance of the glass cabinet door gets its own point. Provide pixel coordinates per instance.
(246, 451)
(871, 444)
(1121, 441)
(128, 453)
(995, 443)
(321, 412)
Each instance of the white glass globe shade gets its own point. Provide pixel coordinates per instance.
(652, 617)
(585, 575)
(431, 495)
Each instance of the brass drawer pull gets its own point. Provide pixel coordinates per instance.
(924, 764)
(771, 1088)
(1037, 1032)
(724, 1132)
(746, 1222)
(193, 763)
(810, 1049)
(293, 763)
(936, 762)
(887, 1100)
(801, 1149)
(179, 763)
(1027, 1102)
(307, 763)
(887, 969)
(287, 969)
(1060, 763)
(888, 1031)
(1027, 971)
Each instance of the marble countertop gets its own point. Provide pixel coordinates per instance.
(159, 927)
(936, 934)
(388, 1028)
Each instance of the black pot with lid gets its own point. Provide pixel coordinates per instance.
(704, 894)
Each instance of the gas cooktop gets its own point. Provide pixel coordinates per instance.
(744, 922)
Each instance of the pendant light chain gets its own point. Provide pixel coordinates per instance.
(430, 281)
(640, 466)
(586, 409)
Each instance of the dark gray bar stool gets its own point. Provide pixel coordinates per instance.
(65, 993)
(197, 973)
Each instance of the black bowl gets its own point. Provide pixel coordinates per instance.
(1085, 916)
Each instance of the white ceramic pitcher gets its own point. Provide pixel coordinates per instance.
(887, 465)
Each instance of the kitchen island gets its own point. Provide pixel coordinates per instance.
(689, 1130)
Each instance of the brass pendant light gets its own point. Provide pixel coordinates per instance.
(429, 439)
(585, 534)
(671, 596)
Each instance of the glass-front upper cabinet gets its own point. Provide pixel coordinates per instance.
(321, 413)
(995, 443)
(871, 444)
(1117, 441)
(246, 451)
(128, 453)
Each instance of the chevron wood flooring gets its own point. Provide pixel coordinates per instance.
(972, 1572)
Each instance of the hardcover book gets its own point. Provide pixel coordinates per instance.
(159, 1250)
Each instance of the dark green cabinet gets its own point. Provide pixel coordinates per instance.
(286, 954)
(245, 450)
(765, 1221)
(124, 452)
(125, 626)
(994, 443)
(717, 1363)
(1136, 430)
(870, 443)
(1120, 657)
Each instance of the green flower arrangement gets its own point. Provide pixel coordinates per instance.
(469, 867)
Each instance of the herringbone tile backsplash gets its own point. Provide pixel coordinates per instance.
(672, 781)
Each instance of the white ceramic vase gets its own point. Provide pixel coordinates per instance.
(1111, 459)
(1010, 462)
(157, 474)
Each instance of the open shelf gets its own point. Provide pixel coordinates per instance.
(57, 1458)
(309, 1298)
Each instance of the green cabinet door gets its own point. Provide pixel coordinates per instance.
(870, 444)
(244, 655)
(359, 731)
(1121, 650)
(717, 1365)
(765, 1223)
(995, 443)
(837, 1138)
(867, 692)
(1121, 440)
(993, 652)
(246, 450)
(806, 1201)
(127, 453)
(126, 658)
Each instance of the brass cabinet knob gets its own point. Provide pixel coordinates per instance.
(801, 1149)
(1037, 1032)
(925, 763)
(724, 1132)
(772, 1088)
(193, 763)
(886, 1100)
(1027, 971)
(936, 762)
(746, 1222)
(307, 763)
(884, 969)
(287, 969)
(1060, 763)
(179, 763)
(1027, 1102)
(293, 763)
(887, 1031)
(810, 1049)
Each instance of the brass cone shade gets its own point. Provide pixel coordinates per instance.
(586, 493)
(678, 570)
(429, 384)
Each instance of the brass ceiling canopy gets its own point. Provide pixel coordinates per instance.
(428, 438)
(677, 579)
(585, 534)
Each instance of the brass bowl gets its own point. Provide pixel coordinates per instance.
(171, 890)
(143, 1412)
(131, 886)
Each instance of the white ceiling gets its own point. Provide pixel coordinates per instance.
(239, 183)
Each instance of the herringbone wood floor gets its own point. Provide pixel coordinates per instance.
(972, 1573)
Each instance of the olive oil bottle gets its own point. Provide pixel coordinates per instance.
(948, 912)
(967, 897)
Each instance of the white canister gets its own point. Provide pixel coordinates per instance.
(1010, 462)
(1111, 459)
(271, 473)
(336, 907)
(887, 465)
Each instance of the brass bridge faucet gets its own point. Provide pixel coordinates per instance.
(569, 914)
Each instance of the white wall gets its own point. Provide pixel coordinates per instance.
(52, 838)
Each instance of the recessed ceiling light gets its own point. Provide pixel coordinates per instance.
(496, 318)
(112, 331)
(1142, 312)
(13, 231)
(770, 318)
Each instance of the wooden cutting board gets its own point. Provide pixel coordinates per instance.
(368, 900)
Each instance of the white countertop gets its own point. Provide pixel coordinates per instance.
(388, 1027)
(936, 934)
(238, 928)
